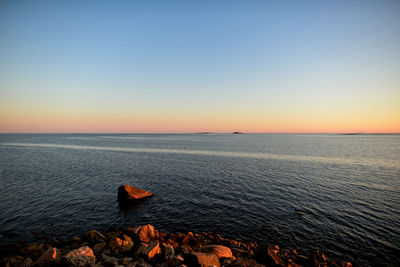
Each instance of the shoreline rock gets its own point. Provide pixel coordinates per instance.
(146, 246)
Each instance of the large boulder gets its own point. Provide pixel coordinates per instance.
(128, 192)
(51, 257)
(218, 250)
(81, 257)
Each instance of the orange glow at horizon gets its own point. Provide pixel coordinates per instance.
(78, 121)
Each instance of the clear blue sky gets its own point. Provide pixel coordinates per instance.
(245, 65)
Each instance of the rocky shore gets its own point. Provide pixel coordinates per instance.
(146, 246)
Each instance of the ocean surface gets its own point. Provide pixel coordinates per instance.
(337, 193)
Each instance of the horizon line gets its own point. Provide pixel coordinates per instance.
(205, 132)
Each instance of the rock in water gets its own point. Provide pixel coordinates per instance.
(128, 192)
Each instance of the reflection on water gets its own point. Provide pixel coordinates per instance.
(220, 154)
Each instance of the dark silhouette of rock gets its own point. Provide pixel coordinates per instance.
(128, 192)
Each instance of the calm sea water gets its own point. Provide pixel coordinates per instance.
(338, 193)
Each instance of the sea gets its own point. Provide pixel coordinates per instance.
(334, 192)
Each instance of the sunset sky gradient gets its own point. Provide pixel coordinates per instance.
(193, 66)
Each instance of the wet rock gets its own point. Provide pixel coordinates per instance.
(51, 257)
(201, 259)
(218, 250)
(147, 233)
(148, 251)
(81, 257)
(99, 247)
(128, 192)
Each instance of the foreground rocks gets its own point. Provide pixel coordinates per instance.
(145, 246)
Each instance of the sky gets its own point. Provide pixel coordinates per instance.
(195, 66)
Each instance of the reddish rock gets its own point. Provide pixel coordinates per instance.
(52, 257)
(128, 192)
(148, 251)
(201, 259)
(147, 233)
(81, 257)
(218, 250)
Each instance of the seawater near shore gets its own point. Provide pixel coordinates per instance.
(146, 246)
